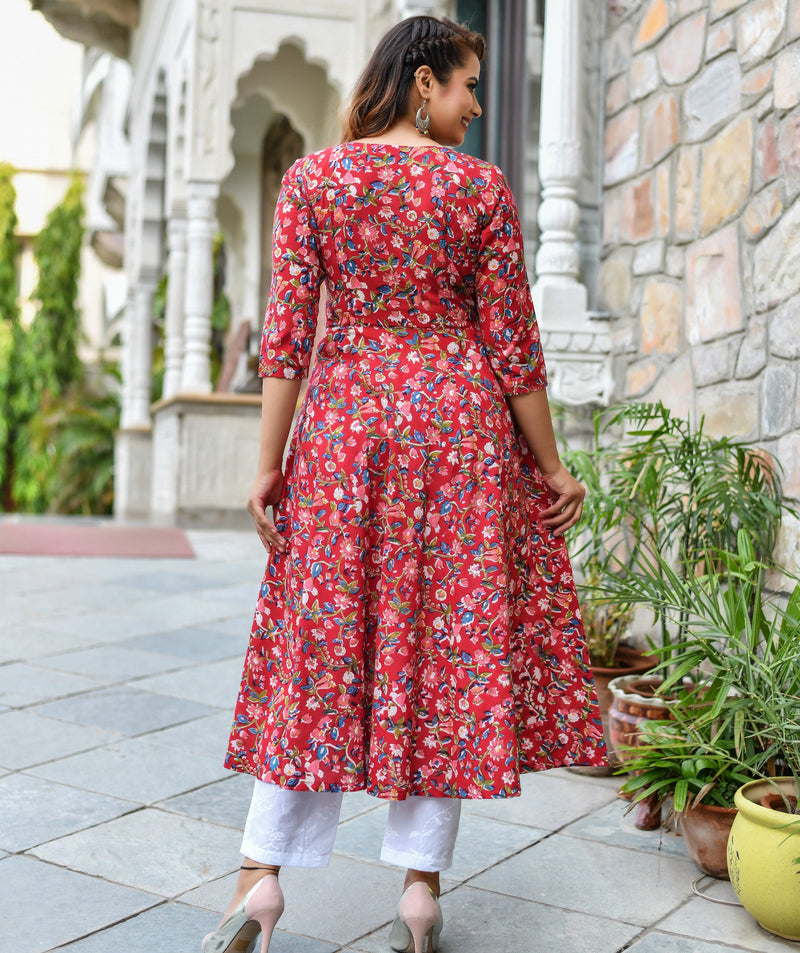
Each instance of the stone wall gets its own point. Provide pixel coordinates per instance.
(701, 259)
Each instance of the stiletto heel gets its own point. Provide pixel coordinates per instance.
(419, 917)
(257, 913)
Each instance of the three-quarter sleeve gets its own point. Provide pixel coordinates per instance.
(291, 317)
(505, 308)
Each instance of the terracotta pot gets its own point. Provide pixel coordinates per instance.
(775, 802)
(628, 662)
(706, 828)
(633, 701)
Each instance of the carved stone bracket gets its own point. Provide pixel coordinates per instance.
(579, 362)
(103, 23)
(207, 89)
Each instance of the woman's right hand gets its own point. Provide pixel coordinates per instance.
(266, 492)
(567, 506)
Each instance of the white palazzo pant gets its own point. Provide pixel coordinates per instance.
(297, 828)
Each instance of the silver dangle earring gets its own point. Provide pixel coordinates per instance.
(423, 119)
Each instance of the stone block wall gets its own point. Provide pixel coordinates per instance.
(701, 230)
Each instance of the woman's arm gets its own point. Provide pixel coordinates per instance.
(532, 413)
(278, 402)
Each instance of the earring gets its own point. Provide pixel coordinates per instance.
(423, 119)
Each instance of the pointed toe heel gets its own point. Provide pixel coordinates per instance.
(419, 919)
(257, 913)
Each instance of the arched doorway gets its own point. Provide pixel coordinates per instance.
(285, 107)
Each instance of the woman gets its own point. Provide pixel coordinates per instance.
(417, 634)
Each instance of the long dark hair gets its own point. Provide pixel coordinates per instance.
(382, 92)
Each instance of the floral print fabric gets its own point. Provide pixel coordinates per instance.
(421, 634)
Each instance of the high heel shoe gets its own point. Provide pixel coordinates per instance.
(419, 916)
(257, 913)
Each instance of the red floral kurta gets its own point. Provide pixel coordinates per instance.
(421, 635)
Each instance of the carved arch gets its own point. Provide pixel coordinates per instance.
(299, 88)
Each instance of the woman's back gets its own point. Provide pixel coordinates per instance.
(400, 230)
(406, 238)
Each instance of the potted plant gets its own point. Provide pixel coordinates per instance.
(740, 720)
(660, 487)
(675, 764)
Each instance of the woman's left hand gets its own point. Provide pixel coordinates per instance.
(566, 509)
(266, 492)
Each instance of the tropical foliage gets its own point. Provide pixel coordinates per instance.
(9, 312)
(57, 425)
(741, 714)
(658, 485)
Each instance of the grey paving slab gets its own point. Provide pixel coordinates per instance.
(27, 739)
(358, 802)
(237, 624)
(207, 735)
(165, 581)
(658, 942)
(549, 800)
(289, 943)
(242, 594)
(201, 645)
(702, 919)
(23, 684)
(90, 569)
(152, 850)
(43, 907)
(34, 811)
(214, 894)
(612, 825)
(179, 929)
(30, 642)
(482, 841)
(20, 608)
(111, 663)
(171, 612)
(225, 802)
(93, 595)
(171, 926)
(594, 878)
(212, 683)
(134, 769)
(106, 626)
(23, 576)
(130, 711)
(340, 903)
(476, 921)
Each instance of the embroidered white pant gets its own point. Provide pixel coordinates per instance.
(297, 828)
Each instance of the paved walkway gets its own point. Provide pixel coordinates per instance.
(119, 829)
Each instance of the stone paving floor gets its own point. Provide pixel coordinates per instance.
(119, 828)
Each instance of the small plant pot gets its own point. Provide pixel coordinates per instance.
(762, 847)
(706, 828)
(633, 701)
(627, 661)
(777, 802)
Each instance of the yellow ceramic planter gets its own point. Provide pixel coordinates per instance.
(761, 847)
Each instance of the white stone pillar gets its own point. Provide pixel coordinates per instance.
(559, 298)
(176, 292)
(413, 8)
(138, 355)
(201, 225)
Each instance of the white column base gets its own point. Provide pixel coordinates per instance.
(205, 452)
(132, 473)
(559, 305)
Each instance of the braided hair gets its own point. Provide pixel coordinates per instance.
(382, 93)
